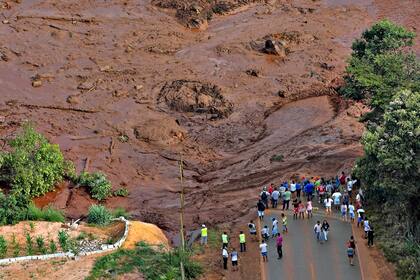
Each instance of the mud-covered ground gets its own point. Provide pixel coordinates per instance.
(128, 86)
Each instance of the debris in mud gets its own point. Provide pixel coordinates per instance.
(160, 131)
(279, 44)
(195, 96)
(276, 158)
(272, 47)
(326, 66)
(198, 13)
(253, 72)
(73, 99)
(36, 83)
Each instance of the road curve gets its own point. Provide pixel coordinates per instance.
(305, 258)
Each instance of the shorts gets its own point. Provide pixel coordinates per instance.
(359, 220)
(253, 233)
(234, 263)
(260, 213)
(350, 255)
(351, 215)
(264, 254)
(343, 213)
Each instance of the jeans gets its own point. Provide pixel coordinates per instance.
(286, 204)
(225, 259)
(279, 251)
(203, 240)
(370, 240)
(325, 235)
(298, 193)
(243, 247)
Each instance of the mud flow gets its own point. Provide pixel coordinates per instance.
(244, 90)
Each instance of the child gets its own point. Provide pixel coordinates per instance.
(351, 212)
(366, 226)
(350, 254)
(275, 228)
(295, 209)
(252, 229)
(234, 258)
(344, 211)
(360, 214)
(309, 208)
(301, 210)
(263, 248)
(265, 233)
(284, 222)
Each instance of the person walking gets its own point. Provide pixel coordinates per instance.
(344, 212)
(325, 229)
(317, 231)
(203, 235)
(264, 250)
(286, 199)
(234, 259)
(225, 256)
(328, 202)
(225, 239)
(350, 184)
(366, 226)
(264, 197)
(350, 254)
(351, 212)
(284, 222)
(370, 237)
(252, 229)
(336, 197)
(260, 209)
(295, 208)
(298, 189)
(279, 244)
(242, 241)
(265, 234)
(275, 228)
(309, 209)
(301, 209)
(352, 243)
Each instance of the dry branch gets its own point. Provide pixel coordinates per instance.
(33, 106)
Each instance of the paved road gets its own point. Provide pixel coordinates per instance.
(306, 259)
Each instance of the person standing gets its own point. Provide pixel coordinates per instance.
(351, 212)
(242, 241)
(293, 189)
(342, 179)
(366, 226)
(325, 229)
(265, 233)
(264, 250)
(252, 229)
(225, 256)
(264, 197)
(317, 231)
(336, 197)
(370, 237)
(298, 189)
(225, 239)
(360, 215)
(260, 209)
(279, 243)
(203, 235)
(309, 209)
(275, 198)
(327, 202)
(275, 228)
(301, 209)
(234, 259)
(286, 199)
(284, 222)
(350, 184)
(309, 190)
(344, 211)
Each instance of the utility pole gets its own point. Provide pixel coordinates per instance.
(181, 176)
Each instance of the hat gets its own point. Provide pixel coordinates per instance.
(203, 225)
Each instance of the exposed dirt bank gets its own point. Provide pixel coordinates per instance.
(90, 76)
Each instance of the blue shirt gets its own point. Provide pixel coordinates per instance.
(309, 188)
(297, 186)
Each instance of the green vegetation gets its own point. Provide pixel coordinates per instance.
(151, 263)
(29, 244)
(99, 215)
(53, 247)
(3, 247)
(384, 72)
(33, 166)
(64, 240)
(120, 212)
(46, 214)
(380, 66)
(98, 184)
(276, 158)
(121, 192)
(15, 246)
(40, 242)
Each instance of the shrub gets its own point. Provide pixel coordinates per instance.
(33, 166)
(29, 244)
(99, 215)
(121, 192)
(3, 247)
(120, 212)
(53, 247)
(46, 214)
(13, 208)
(276, 158)
(40, 242)
(15, 246)
(63, 239)
(98, 184)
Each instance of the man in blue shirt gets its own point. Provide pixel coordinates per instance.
(309, 190)
(298, 189)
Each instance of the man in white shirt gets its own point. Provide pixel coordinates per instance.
(351, 212)
(264, 249)
(336, 197)
(350, 184)
(360, 214)
(317, 230)
(275, 198)
(225, 256)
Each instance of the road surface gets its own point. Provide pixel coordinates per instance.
(306, 259)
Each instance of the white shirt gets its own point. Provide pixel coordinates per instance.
(366, 225)
(358, 197)
(275, 223)
(360, 212)
(336, 196)
(317, 228)
(234, 257)
(264, 231)
(343, 208)
(328, 202)
(263, 247)
(350, 184)
(351, 208)
(275, 195)
(225, 253)
(293, 187)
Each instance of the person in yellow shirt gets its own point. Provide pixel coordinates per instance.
(203, 235)
(225, 239)
(242, 242)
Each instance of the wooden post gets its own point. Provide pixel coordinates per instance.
(181, 176)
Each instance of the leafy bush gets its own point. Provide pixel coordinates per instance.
(98, 184)
(53, 247)
(120, 212)
(63, 239)
(378, 67)
(276, 158)
(3, 247)
(40, 242)
(29, 244)
(151, 263)
(121, 192)
(15, 246)
(46, 214)
(99, 215)
(13, 208)
(33, 166)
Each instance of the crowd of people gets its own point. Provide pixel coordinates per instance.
(298, 197)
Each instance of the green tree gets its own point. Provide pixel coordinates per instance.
(379, 65)
(99, 186)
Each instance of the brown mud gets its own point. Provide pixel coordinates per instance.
(91, 77)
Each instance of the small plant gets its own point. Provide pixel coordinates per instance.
(81, 236)
(3, 247)
(120, 212)
(98, 184)
(15, 246)
(32, 226)
(46, 214)
(74, 247)
(29, 244)
(63, 239)
(40, 242)
(99, 215)
(276, 158)
(123, 192)
(91, 236)
(53, 247)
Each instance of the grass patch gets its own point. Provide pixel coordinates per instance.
(46, 214)
(120, 212)
(276, 158)
(151, 263)
(99, 215)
